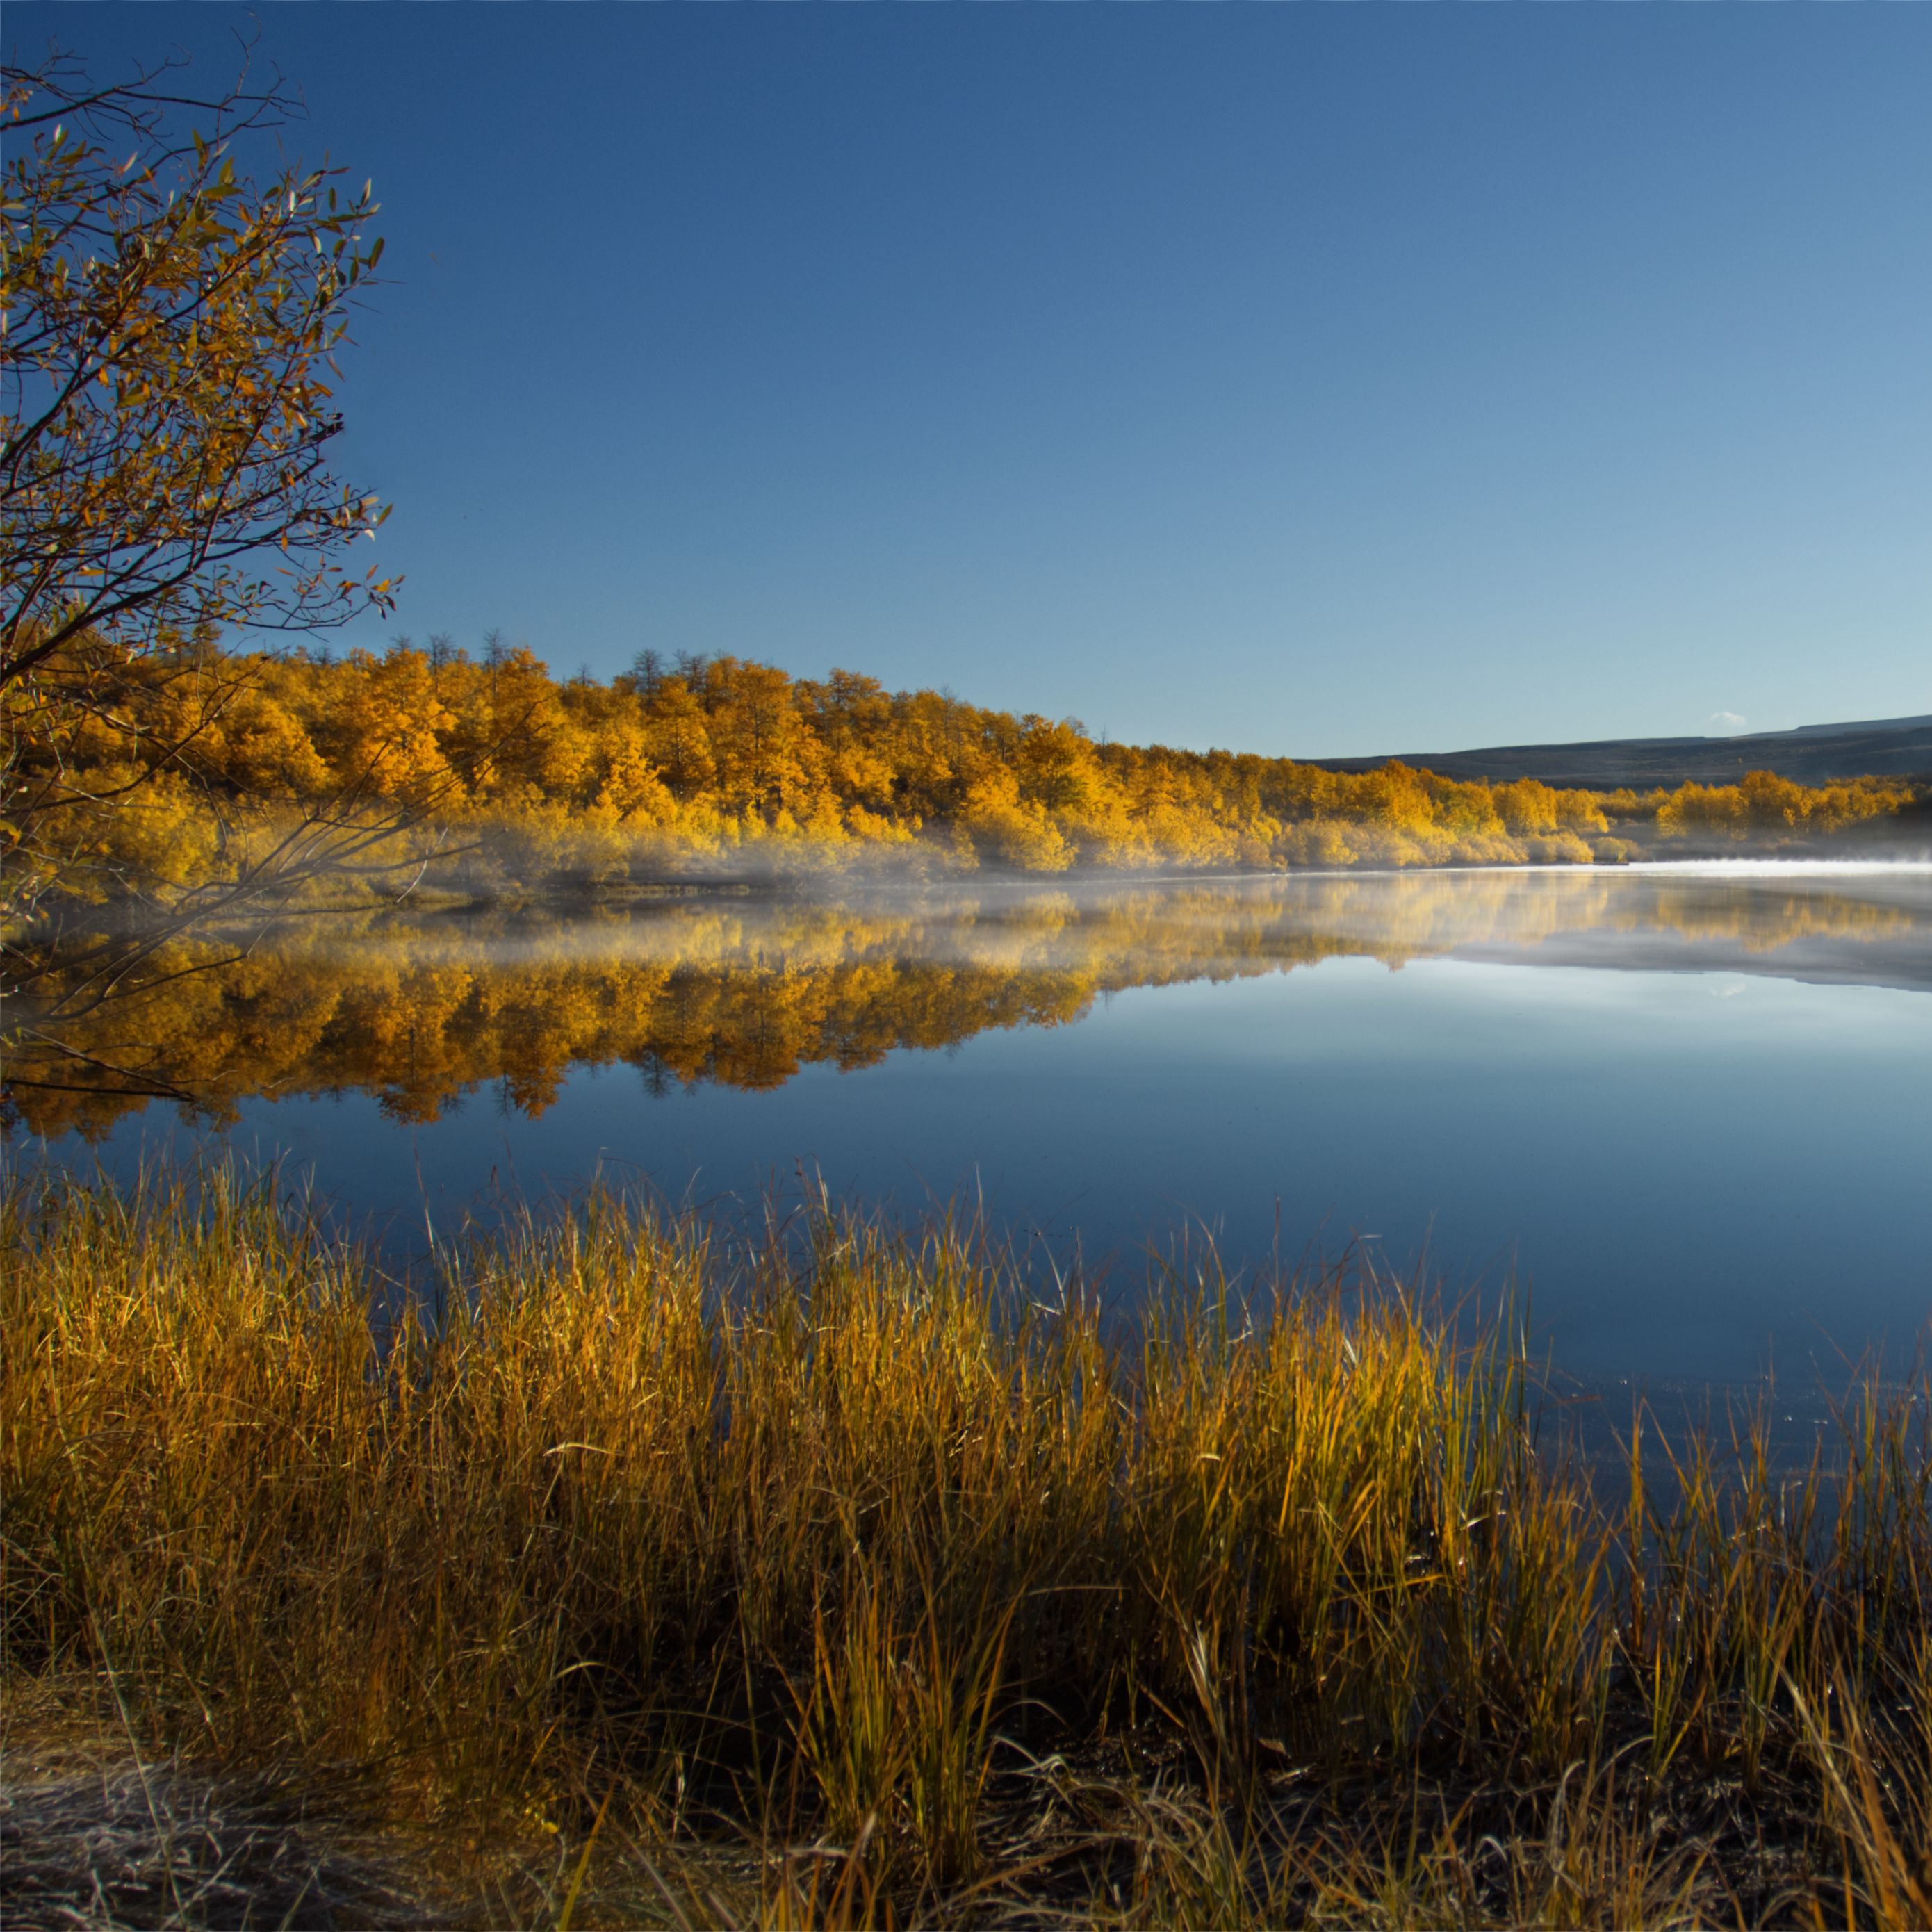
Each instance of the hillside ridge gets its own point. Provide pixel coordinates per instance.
(1810, 754)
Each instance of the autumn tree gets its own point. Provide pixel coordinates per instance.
(167, 330)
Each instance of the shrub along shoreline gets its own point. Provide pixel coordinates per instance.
(491, 778)
(837, 1581)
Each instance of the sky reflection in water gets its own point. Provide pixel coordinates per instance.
(1688, 1108)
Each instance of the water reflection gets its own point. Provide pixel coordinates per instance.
(420, 1009)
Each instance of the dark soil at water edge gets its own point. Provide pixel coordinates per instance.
(128, 1844)
(843, 1583)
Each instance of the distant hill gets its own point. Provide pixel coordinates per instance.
(1886, 747)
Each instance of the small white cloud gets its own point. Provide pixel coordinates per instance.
(1728, 720)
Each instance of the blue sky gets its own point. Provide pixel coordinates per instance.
(1302, 379)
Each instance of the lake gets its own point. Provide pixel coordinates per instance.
(1685, 1108)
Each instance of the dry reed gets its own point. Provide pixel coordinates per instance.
(837, 1580)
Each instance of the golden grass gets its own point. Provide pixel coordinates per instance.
(836, 1581)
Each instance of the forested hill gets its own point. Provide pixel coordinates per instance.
(1812, 755)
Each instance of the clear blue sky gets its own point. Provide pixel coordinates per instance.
(1317, 380)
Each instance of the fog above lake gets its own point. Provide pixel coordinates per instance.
(1868, 922)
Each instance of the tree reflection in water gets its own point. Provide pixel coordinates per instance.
(421, 1007)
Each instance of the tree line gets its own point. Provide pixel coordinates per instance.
(489, 761)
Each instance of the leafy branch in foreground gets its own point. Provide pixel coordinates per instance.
(169, 327)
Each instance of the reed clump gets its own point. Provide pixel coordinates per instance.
(835, 1578)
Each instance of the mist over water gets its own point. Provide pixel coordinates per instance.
(1684, 1107)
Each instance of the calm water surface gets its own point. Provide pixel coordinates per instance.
(1688, 1108)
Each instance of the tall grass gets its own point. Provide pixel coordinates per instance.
(847, 1552)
